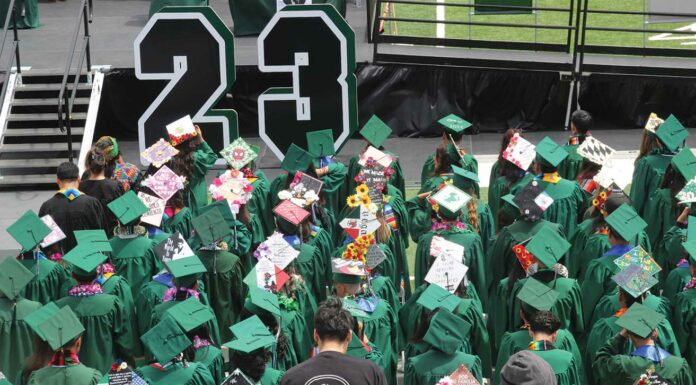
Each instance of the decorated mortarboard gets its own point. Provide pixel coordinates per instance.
(688, 193)
(547, 246)
(237, 377)
(375, 131)
(537, 295)
(210, 227)
(320, 143)
(303, 183)
(463, 376)
(672, 133)
(436, 297)
(29, 230)
(533, 200)
(159, 153)
(94, 239)
(454, 124)
(447, 273)
(374, 256)
(634, 280)
(612, 177)
(13, 277)
(263, 300)
(347, 271)
(277, 250)
(446, 332)
(372, 156)
(595, 151)
(39, 316)
(251, 335)
(626, 222)
(174, 247)
(440, 247)
(519, 152)
(638, 256)
(166, 340)
(155, 209)
(266, 276)
(165, 183)
(450, 200)
(85, 258)
(685, 163)
(190, 314)
(360, 221)
(56, 234)
(233, 187)
(653, 122)
(550, 151)
(640, 320)
(291, 212)
(238, 154)
(296, 159)
(61, 328)
(185, 267)
(463, 178)
(181, 130)
(524, 257)
(127, 208)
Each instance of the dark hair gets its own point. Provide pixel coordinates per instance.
(582, 120)
(38, 359)
(629, 300)
(544, 322)
(252, 364)
(444, 162)
(423, 325)
(200, 332)
(105, 145)
(454, 136)
(332, 321)
(588, 170)
(546, 167)
(182, 163)
(504, 219)
(613, 202)
(674, 181)
(95, 162)
(67, 172)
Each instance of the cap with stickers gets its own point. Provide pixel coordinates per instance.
(520, 152)
(550, 152)
(238, 154)
(29, 230)
(375, 131)
(533, 201)
(634, 280)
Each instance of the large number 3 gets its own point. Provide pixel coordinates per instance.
(176, 46)
(316, 45)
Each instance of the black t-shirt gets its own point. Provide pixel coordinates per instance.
(333, 368)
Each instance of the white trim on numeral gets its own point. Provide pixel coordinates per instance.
(302, 103)
(180, 68)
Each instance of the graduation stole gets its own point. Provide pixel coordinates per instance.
(86, 290)
(199, 342)
(454, 227)
(540, 345)
(249, 174)
(171, 293)
(551, 177)
(621, 312)
(61, 358)
(70, 193)
(691, 284)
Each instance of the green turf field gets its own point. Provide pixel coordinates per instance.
(542, 18)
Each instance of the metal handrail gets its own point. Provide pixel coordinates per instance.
(14, 56)
(66, 100)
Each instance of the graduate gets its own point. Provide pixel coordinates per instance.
(580, 124)
(252, 352)
(504, 175)
(320, 145)
(168, 343)
(596, 157)
(362, 348)
(613, 365)
(62, 330)
(16, 336)
(176, 217)
(685, 310)
(230, 199)
(127, 175)
(661, 139)
(95, 184)
(673, 243)
(444, 337)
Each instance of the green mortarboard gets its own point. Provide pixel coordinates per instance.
(509, 199)
(450, 201)
(13, 277)
(436, 297)
(264, 300)
(691, 229)
(446, 332)
(61, 328)
(186, 270)
(251, 335)
(190, 314)
(85, 258)
(223, 207)
(547, 246)
(537, 295)
(29, 230)
(128, 207)
(510, 206)
(95, 239)
(166, 340)
(550, 151)
(375, 131)
(685, 163)
(321, 143)
(626, 222)
(690, 247)
(464, 179)
(210, 227)
(39, 316)
(454, 124)
(296, 159)
(640, 320)
(671, 133)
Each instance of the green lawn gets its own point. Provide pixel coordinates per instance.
(543, 18)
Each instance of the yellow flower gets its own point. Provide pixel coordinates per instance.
(362, 189)
(352, 201)
(365, 200)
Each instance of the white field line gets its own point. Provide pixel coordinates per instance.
(669, 36)
(440, 16)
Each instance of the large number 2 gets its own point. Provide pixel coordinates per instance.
(176, 46)
(316, 45)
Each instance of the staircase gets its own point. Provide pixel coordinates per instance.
(33, 146)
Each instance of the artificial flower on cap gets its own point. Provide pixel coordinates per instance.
(159, 153)
(233, 187)
(181, 130)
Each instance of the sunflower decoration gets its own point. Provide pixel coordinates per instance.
(362, 189)
(600, 198)
(357, 250)
(361, 198)
(353, 201)
(365, 200)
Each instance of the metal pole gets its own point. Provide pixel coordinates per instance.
(86, 20)
(16, 39)
(375, 29)
(68, 126)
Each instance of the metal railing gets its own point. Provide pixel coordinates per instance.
(11, 17)
(68, 91)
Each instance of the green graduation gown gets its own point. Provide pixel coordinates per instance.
(294, 327)
(49, 284)
(382, 328)
(431, 366)
(397, 180)
(609, 305)
(661, 216)
(16, 337)
(204, 159)
(570, 166)
(334, 189)
(467, 162)
(108, 334)
(567, 370)
(65, 375)
(384, 288)
(118, 286)
(676, 280)
(223, 282)
(311, 265)
(685, 324)
(647, 174)
(180, 222)
(260, 210)
(193, 374)
(211, 357)
(271, 377)
(159, 311)
(134, 260)
(568, 204)
(613, 366)
(357, 349)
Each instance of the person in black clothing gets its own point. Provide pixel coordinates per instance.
(97, 185)
(331, 366)
(70, 208)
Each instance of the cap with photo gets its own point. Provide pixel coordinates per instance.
(550, 152)
(320, 143)
(537, 295)
(454, 125)
(547, 246)
(29, 230)
(13, 277)
(375, 131)
(626, 222)
(640, 320)
(238, 154)
(181, 130)
(672, 133)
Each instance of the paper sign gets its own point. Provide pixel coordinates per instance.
(688, 193)
(519, 152)
(366, 224)
(56, 233)
(155, 210)
(440, 247)
(372, 156)
(159, 153)
(173, 248)
(269, 277)
(653, 122)
(446, 273)
(164, 182)
(374, 256)
(237, 378)
(462, 376)
(277, 250)
(305, 181)
(543, 200)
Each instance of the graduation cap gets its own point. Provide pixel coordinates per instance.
(56, 234)
(85, 258)
(454, 125)
(181, 130)
(464, 179)
(155, 209)
(671, 133)
(238, 154)
(640, 320)
(173, 247)
(291, 212)
(320, 143)
(61, 328)
(210, 227)
(262, 300)
(685, 163)
(95, 239)
(39, 316)
(190, 314)
(159, 153)
(446, 332)
(519, 152)
(537, 295)
(166, 340)
(13, 277)
(446, 272)
(626, 222)
(127, 208)
(690, 247)
(296, 159)
(634, 280)
(653, 122)
(638, 256)
(436, 297)
(375, 131)
(550, 152)
(165, 183)
(251, 335)
(347, 271)
(267, 276)
(595, 151)
(29, 230)
(510, 206)
(688, 193)
(547, 246)
(186, 270)
(533, 200)
(450, 201)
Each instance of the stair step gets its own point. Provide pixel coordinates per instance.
(30, 163)
(45, 102)
(49, 87)
(37, 147)
(34, 78)
(43, 116)
(49, 90)
(32, 179)
(19, 132)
